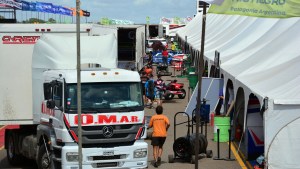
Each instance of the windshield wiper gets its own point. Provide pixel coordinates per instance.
(89, 110)
(125, 109)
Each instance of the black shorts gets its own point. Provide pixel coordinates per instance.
(158, 141)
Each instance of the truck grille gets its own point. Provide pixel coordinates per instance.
(110, 164)
(119, 135)
(95, 158)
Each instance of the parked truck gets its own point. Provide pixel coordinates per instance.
(39, 93)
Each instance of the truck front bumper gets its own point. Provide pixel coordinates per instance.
(134, 156)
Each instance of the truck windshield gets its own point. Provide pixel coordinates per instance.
(105, 97)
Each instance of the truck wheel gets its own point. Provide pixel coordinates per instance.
(13, 158)
(44, 162)
(182, 96)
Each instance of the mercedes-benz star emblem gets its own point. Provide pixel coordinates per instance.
(108, 131)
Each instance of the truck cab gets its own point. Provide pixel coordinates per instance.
(112, 116)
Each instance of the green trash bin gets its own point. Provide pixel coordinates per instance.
(191, 70)
(193, 80)
(223, 124)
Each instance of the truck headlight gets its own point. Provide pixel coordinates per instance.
(140, 153)
(72, 156)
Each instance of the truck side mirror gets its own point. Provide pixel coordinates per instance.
(50, 104)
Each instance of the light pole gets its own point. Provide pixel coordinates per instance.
(200, 71)
(78, 84)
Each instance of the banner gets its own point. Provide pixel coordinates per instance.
(55, 9)
(164, 20)
(25, 6)
(256, 8)
(175, 20)
(64, 11)
(32, 6)
(44, 7)
(11, 4)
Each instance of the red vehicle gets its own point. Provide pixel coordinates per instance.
(177, 61)
(174, 88)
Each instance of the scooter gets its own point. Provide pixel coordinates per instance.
(175, 88)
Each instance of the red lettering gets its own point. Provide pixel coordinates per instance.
(86, 119)
(5, 39)
(20, 39)
(134, 119)
(124, 119)
(107, 119)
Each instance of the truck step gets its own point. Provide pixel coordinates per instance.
(56, 147)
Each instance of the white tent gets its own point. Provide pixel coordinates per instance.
(261, 56)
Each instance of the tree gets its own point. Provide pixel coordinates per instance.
(51, 20)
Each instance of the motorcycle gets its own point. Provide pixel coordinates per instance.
(173, 88)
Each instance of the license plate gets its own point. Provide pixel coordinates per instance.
(108, 153)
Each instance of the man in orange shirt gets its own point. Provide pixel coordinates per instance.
(160, 124)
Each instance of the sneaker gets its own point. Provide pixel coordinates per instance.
(158, 161)
(155, 164)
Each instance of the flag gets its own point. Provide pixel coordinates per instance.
(11, 4)
(86, 13)
(256, 8)
(25, 6)
(44, 7)
(32, 6)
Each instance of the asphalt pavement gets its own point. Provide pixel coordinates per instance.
(171, 107)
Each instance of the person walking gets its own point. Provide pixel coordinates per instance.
(165, 55)
(160, 124)
(160, 87)
(150, 90)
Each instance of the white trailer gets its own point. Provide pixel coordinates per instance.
(38, 92)
(131, 38)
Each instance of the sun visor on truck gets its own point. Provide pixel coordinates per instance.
(60, 52)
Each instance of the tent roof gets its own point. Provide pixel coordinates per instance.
(252, 51)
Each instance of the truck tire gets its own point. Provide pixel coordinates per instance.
(44, 162)
(13, 158)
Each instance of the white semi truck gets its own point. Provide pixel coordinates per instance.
(39, 93)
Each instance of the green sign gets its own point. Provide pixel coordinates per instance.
(257, 8)
(147, 19)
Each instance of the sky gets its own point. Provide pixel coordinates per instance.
(132, 10)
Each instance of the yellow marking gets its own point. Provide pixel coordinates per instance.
(238, 158)
(248, 164)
